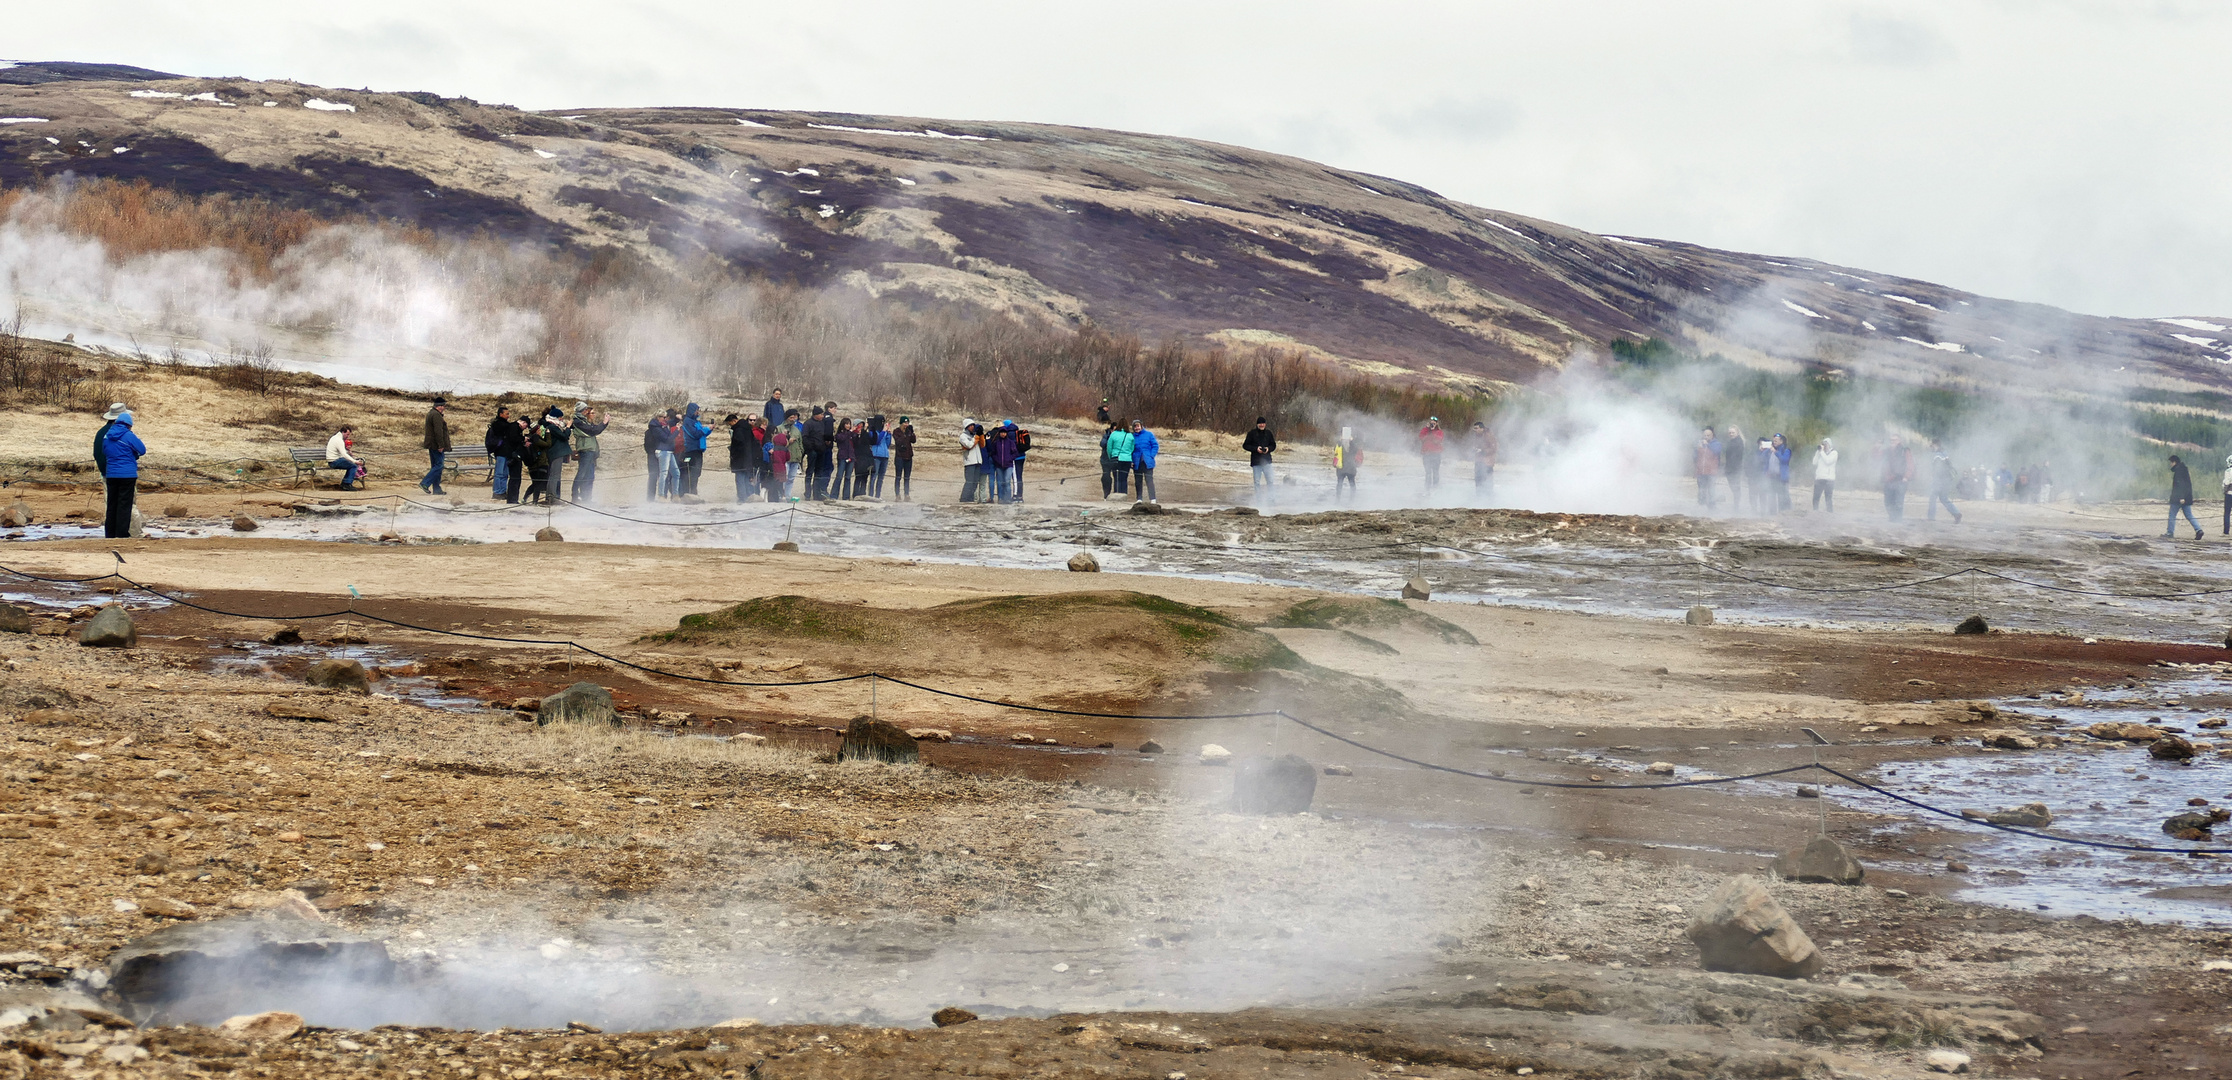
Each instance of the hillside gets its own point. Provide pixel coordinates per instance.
(1162, 237)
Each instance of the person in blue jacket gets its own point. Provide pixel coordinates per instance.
(120, 454)
(1144, 449)
(695, 432)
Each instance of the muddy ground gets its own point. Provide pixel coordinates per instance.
(1093, 904)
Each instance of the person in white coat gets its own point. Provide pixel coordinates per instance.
(1825, 476)
(341, 454)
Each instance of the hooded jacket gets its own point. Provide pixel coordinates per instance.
(1825, 461)
(504, 439)
(747, 447)
(121, 450)
(1144, 448)
(695, 432)
(999, 447)
(972, 445)
(903, 442)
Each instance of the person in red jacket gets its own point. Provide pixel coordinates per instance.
(1430, 441)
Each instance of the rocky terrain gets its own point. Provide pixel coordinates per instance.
(1158, 236)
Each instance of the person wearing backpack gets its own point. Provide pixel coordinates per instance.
(1119, 449)
(1022, 451)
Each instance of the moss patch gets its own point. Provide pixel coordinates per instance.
(1351, 612)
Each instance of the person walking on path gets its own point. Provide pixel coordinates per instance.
(1898, 469)
(437, 445)
(972, 459)
(879, 455)
(1348, 455)
(588, 423)
(1119, 459)
(1260, 444)
(902, 460)
(340, 455)
(2181, 498)
(1144, 447)
(1430, 442)
(1483, 447)
(1734, 452)
(1942, 482)
(1705, 462)
(1825, 475)
(121, 450)
(2228, 494)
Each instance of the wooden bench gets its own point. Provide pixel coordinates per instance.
(309, 461)
(465, 459)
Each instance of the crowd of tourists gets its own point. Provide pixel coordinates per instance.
(1757, 473)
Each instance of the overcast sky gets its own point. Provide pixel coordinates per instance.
(2073, 152)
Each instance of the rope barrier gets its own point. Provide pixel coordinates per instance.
(353, 613)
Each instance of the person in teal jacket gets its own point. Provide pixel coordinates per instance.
(1119, 451)
(1143, 450)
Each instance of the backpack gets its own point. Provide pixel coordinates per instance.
(1023, 441)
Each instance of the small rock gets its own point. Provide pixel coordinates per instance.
(111, 628)
(1945, 1061)
(16, 516)
(154, 862)
(1339, 770)
(2125, 732)
(2166, 748)
(14, 620)
(2008, 740)
(1021, 737)
(285, 635)
(584, 1027)
(1147, 508)
(2195, 824)
(1808, 791)
(581, 703)
(2212, 723)
(244, 523)
(1742, 929)
(1699, 615)
(929, 734)
(785, 545)
(1150, 747)
(1823, 861)
(1861, 980)
(168, 908)
(951, 1015)
(1273, 785)
(177, 510)
(1974, 624)
(263, 1027)
(737, 1022)
(547, 534)
(870, 739)
(2216, 965)
(1084, 563)
(1212, 754)
(347, 676)
(1956, 866)
(2029, 815)
(1660, 768)
(1417, 588)
(288, 709)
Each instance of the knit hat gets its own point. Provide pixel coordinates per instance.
(1261, 420)
(114, 411)
(440, 400)
(554, 411)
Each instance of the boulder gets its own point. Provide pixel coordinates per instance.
(285, 635)
(14, 620)
(203, 972)
(1742, 929)
(1150, 747)
(1273, 785)
(178, 510)
(785, 545)
(16, 516)
(2171, 748)
(1084, 563)
(2029, 816)
(2008, 740)
(1699, 615)
(1659, 768)
(1144, 507)
(2195, 825)
(110, 628)
(581, 703)
(2125, 732)
(263, 1026)
(1945, 1061)
(951, 1015)
(1212, 754)
(548, 535)
(244, 523)
(870, 739)
(1823, 861)
(347, 676)
(1416, 587)
(1974, 624)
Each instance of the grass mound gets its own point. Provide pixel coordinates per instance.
(1117, 627)
(1351, 613)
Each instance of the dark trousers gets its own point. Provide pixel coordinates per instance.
(693, 464)
(1119, 474)
(1894, 500)
(538, 477)
(1340, 478)
(651, 474)
(902, 479)
(511, 491)
(116, 521)
(820, 466)
(1018, 493)
(1826, 491)
(1108, 478)
(971, 476)
(2228, 513)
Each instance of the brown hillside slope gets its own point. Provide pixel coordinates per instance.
(1161, 236)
